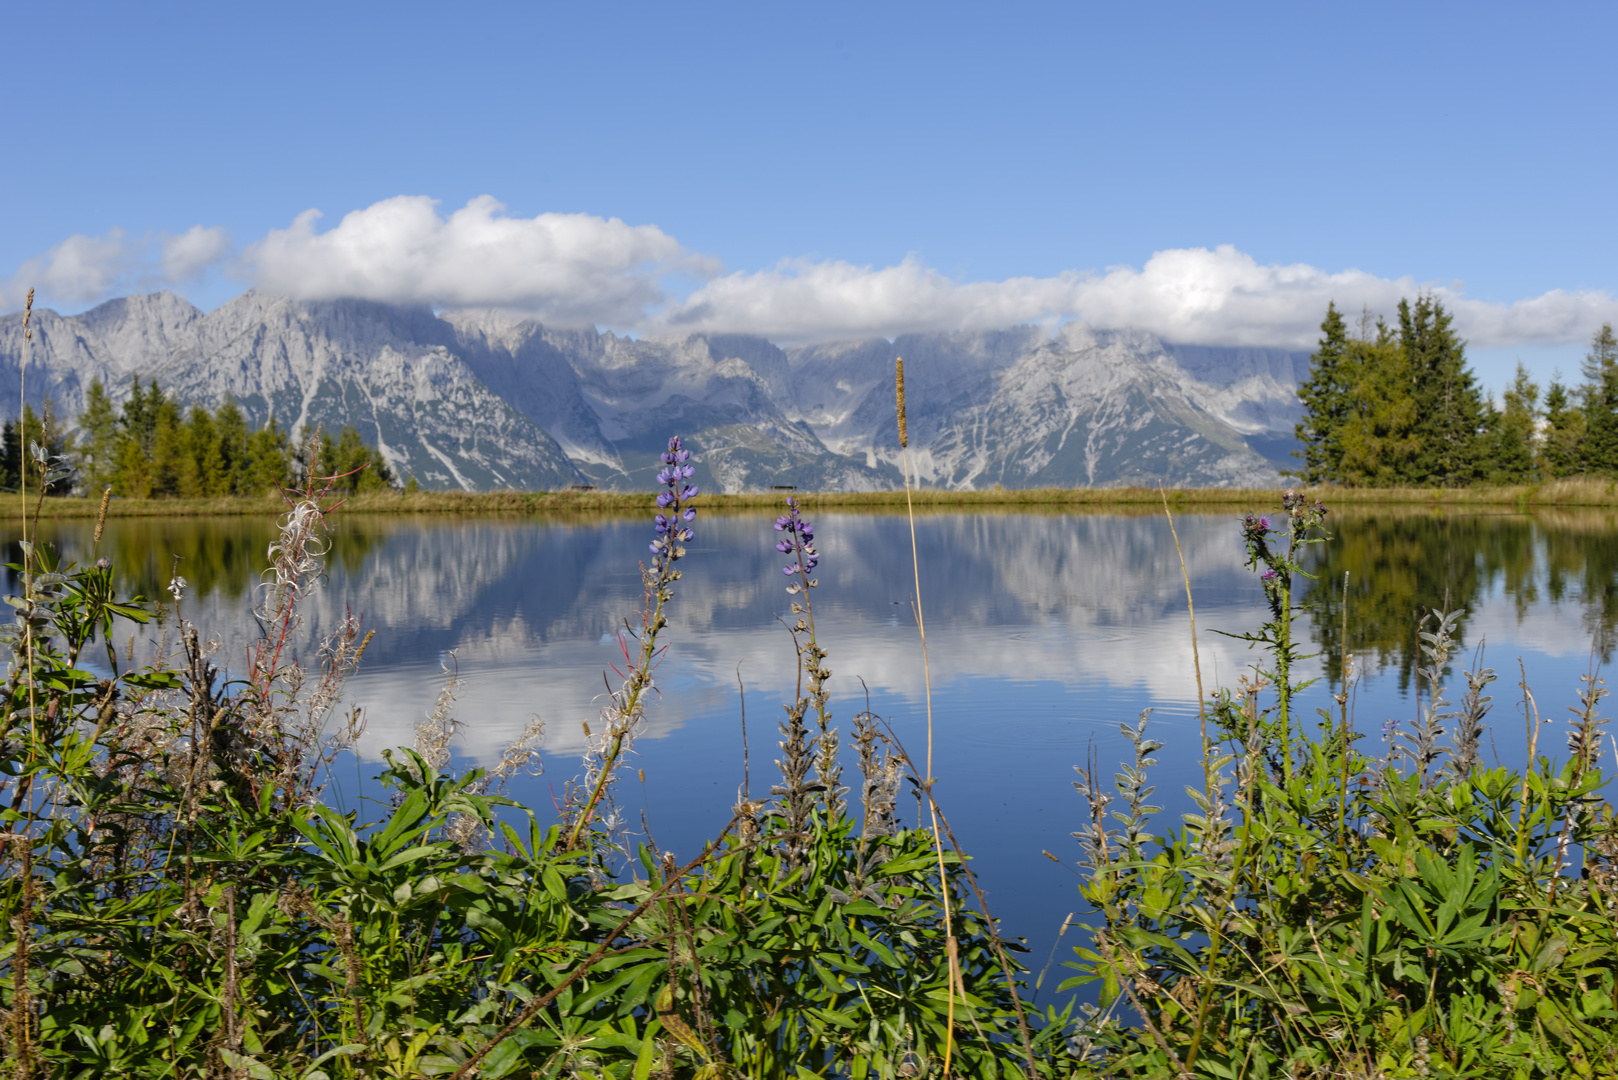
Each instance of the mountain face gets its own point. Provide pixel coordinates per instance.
(389, 371)
(482, 399)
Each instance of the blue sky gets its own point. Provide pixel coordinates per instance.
(894, 155)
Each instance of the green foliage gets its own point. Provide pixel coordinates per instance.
(1449, 405)
(1562, 442)
(1514, 433)
(180, 901)
(356, 466)
(1327, 396)
(1327, 913)
(150, 449)
(1397, 408)
(16, 438)
(1599, 450)
(1380, 439)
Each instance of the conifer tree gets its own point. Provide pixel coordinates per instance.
(230, 428)
(10, 454)
(168, 447)
(1598, 451)
(202, 471)
(151, 449)
(1326, 395)
(1380, 440)
(1449, 406)
(269, 460)
(361, 467)
(1560, 442)
(99, 435)
(1514, 431)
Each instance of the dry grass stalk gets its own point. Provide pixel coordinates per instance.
(957, 985)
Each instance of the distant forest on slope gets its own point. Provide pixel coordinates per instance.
(150, 448)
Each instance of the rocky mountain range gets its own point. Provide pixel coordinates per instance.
(479, 399)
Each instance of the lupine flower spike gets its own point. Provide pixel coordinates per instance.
(797, 748)
(621, 718)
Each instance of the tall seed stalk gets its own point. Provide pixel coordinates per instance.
(951, 946)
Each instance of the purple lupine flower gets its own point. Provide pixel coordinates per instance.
(799, 541)
(670, 532)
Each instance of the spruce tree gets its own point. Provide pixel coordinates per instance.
(1449, 406)
(168, 446)
(99, 436)
(10, 455)
(1326, 403)
(1599, 450)
(1560, 442)
(269, 460)
(230, 426)
(1514, 431)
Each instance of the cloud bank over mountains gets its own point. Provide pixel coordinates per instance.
(582, 270)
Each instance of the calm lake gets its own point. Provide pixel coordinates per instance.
(1045, 631)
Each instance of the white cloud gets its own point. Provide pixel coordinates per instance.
(86, 269)
(1190, 295)
(565, 268)
(579, 269)
(190, 254)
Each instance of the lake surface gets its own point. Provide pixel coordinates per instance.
(1045, 631)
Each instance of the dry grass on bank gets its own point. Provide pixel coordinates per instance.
(1569, 493)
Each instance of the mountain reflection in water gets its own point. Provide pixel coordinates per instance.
(1045, 631)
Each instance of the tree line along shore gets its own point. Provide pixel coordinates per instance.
(1392, 414)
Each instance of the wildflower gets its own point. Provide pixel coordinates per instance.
(1270, 574)
(800, 540)
(673, 526)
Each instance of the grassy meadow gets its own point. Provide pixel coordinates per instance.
(1572, 492)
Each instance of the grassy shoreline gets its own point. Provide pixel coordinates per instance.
(1559, 493)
